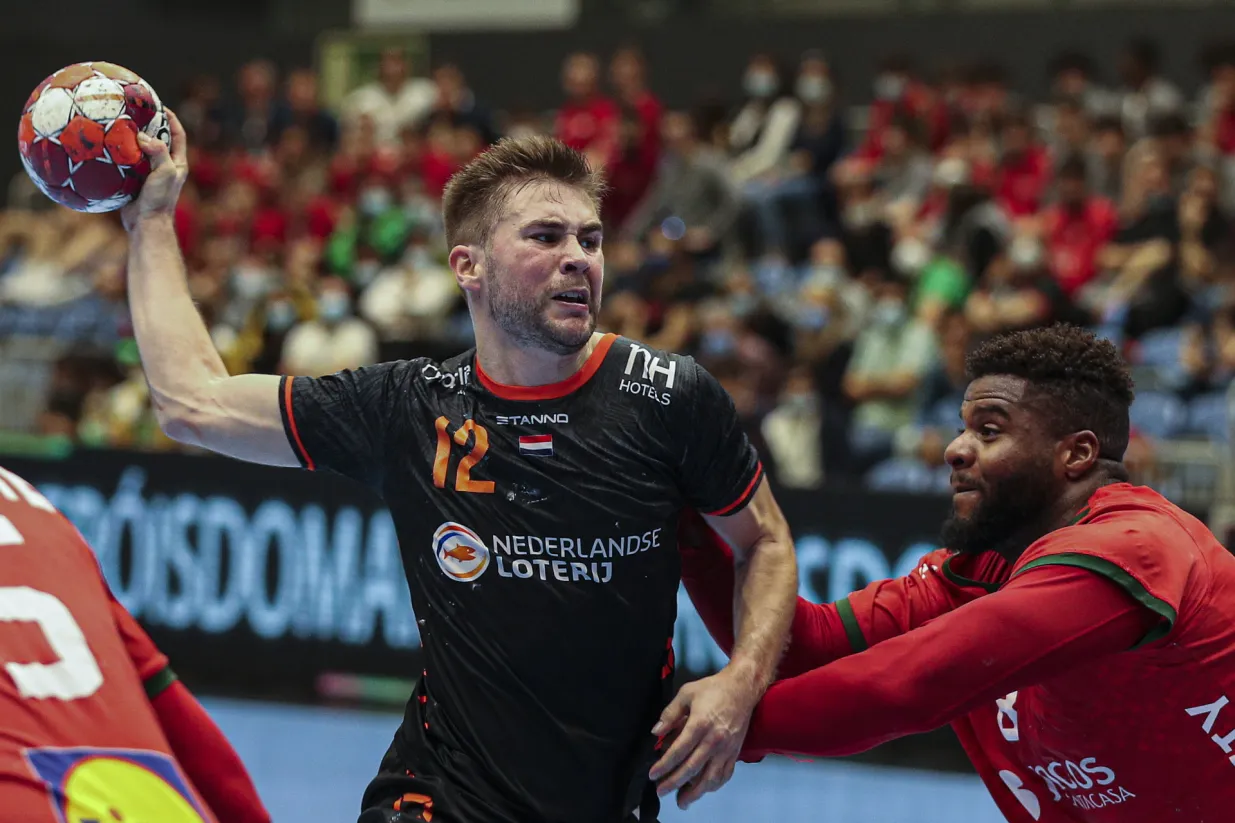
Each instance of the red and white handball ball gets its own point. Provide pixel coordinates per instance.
(78, 135)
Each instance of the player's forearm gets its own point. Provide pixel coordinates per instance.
(765, 594)
(816, 635)
(211, 763)
(177, 353)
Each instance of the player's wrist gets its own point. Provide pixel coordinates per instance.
(749, 678)
(154, 220)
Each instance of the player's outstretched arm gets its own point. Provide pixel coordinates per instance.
(196, 401)
(201, 749)
(1044, 622)
(823, 632)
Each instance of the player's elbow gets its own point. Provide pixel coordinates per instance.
(181, 425)
(184, 418)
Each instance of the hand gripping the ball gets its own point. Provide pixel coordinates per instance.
(169, 168)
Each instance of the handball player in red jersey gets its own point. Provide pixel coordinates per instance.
(96, 728)
(1078, 633)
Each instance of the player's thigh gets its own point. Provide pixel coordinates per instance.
(396, 795)
(410, 807)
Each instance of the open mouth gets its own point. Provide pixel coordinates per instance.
(576, 297)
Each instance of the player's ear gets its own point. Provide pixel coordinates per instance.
(467, 262)
(1079, 452)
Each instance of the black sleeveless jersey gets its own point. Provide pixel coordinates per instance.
(538, 533)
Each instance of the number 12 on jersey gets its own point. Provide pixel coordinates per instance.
(463, 475)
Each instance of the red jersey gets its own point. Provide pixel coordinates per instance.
(1088, 682)
(80, 740)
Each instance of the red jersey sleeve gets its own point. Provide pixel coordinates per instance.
(825, 632)
(1042, 623)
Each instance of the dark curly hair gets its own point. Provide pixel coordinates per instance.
(1082, 379)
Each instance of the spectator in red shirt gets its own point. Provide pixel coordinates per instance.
(638, 149)
(587, 121)
(1077, 227)
(1024, 170)
(899, 94)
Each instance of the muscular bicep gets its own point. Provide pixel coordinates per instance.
(760, 519)
(239, 416)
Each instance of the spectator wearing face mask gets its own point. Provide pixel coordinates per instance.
(941, 282)
(283, 310)
(900, 95)
(376, 227)
(411, 298)
(760, 134)
(1016, 292)
(791, 203)
(335, 340)
(891, 356)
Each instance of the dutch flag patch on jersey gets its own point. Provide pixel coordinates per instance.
(536, 445)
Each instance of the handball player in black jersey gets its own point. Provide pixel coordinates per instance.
(535, 483)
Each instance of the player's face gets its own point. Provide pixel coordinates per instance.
(544, 268)
(1003, 467)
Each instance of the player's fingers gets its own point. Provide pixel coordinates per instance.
(714, 775)
(180, 141)
(681, 748)
(727, 774)
(154, 149)
(674, 714)
(686, 772)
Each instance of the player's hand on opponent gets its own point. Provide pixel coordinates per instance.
(711, 717)
(168, 171)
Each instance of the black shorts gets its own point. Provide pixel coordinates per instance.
(397, 795)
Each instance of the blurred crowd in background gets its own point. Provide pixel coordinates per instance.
(830, 263)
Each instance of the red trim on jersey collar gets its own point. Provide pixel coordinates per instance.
(552, 390)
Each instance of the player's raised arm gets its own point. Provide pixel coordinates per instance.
(197, 402)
